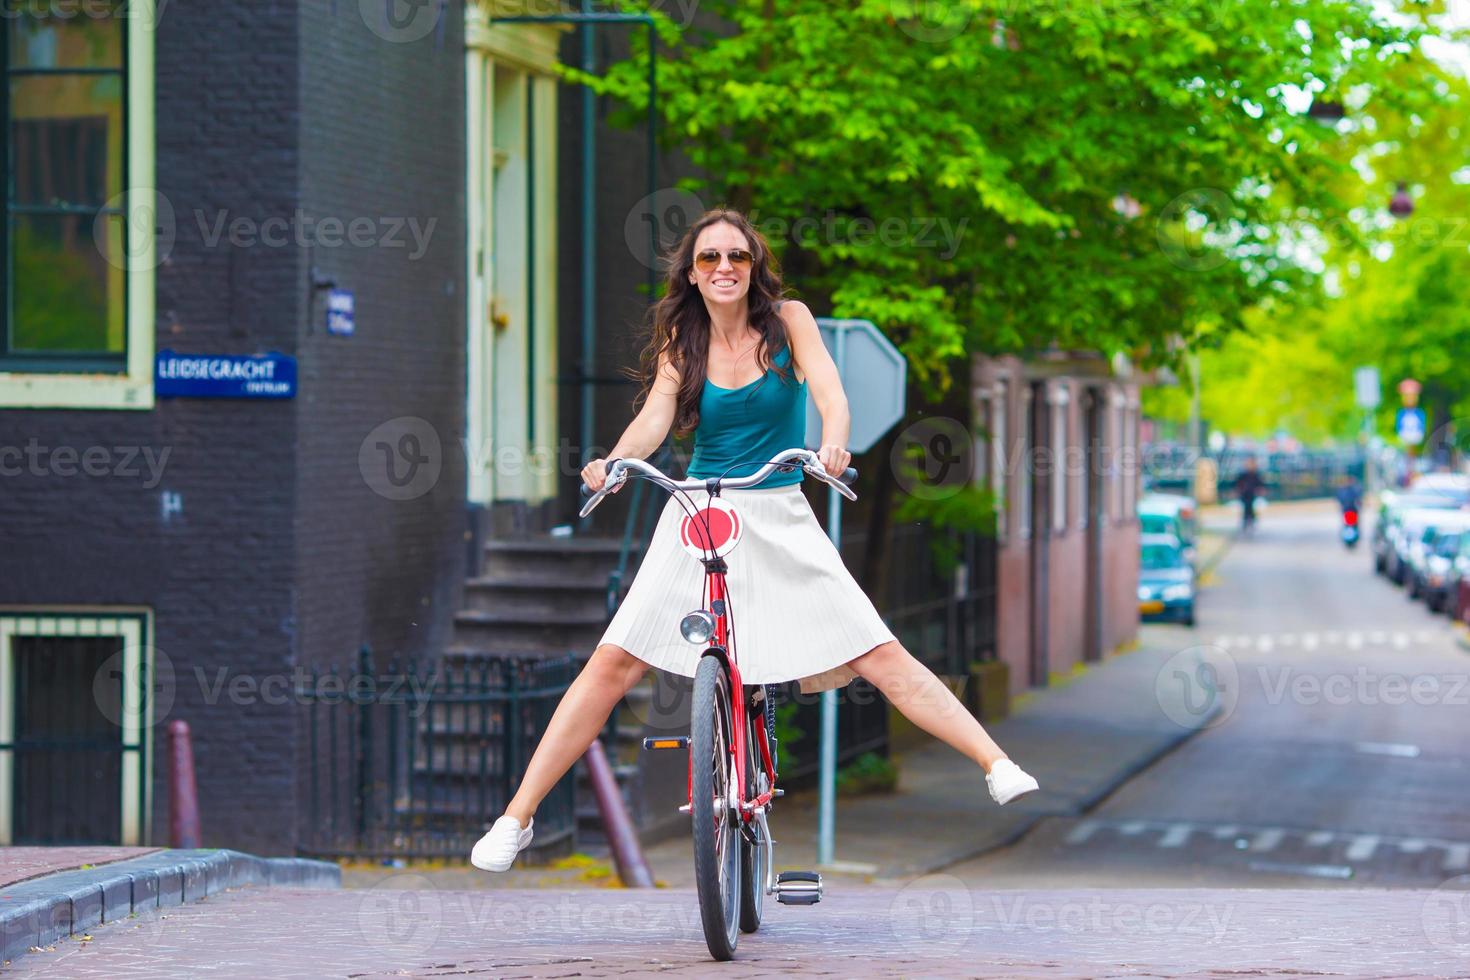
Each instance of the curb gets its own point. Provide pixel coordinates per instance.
(39, 911)
(1218, 555)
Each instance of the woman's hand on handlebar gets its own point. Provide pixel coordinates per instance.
(834, 459)
(594, 474)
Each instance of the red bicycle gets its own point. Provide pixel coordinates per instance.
(731, 741)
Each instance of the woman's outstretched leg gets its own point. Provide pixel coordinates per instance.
(924, 700)
(608, 675)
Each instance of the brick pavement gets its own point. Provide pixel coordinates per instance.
(24, 863)
(932, 927)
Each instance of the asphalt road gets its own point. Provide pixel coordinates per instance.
(1340, 755)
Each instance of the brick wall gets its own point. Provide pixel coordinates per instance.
(282, 551)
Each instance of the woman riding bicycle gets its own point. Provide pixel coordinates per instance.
(731, 361)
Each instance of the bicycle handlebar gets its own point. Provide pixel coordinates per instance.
(619, 470)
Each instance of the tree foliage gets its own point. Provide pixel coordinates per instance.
(1395, 295)
(1113, 175)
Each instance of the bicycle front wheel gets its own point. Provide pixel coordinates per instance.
(716, 826)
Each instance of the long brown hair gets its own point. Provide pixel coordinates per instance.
(679, 323)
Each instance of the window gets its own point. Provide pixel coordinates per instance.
(81, 220)
(1085, 463)
(1028, 468)
(1058, 398)
(76, 726)
(1130, 456)
(999, 443)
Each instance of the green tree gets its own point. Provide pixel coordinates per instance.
(1111, 175)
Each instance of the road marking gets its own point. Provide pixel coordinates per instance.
(1413, 845)
(1132, 828)
(1082, 832)
(1378, 637)
(1224, 833)
(1314, 870)
(1401, 749)
(1456, 857)
(1176, 835)
(1267, 840)
(1362, 848)
(1320, 838)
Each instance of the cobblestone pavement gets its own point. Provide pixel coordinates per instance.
(24, 863)
(932, 927)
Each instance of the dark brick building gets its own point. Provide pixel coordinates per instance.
(294, 147)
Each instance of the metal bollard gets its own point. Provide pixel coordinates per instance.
(183, 795)
(627, 855)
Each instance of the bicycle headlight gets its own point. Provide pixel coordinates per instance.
(698, 626)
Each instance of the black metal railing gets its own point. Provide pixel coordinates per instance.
(414, 760)
(941, 609)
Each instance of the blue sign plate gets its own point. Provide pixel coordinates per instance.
(341, 319)
(224, 375)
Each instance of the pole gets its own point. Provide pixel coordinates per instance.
(589, 241)
(827, 776)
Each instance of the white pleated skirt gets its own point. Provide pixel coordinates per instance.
(796, 611)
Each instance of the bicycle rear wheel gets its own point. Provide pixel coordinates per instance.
(716, 827)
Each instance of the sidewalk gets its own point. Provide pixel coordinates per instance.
(49, 894)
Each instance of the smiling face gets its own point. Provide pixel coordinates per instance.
(725, 280)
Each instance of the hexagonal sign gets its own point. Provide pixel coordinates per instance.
(873, 374)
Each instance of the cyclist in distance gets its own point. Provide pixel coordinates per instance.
(731, 361)
(1248, 486)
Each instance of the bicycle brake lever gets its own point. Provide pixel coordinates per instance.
(827, 478)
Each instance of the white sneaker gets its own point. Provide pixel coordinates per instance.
(497, 850)
(1006, 781)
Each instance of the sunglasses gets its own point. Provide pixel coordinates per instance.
(709, 259)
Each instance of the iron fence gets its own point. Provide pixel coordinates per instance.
(415, 760)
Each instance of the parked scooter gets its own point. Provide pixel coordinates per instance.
(1350, 532)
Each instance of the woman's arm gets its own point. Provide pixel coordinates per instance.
(647, 430)
(808, 351)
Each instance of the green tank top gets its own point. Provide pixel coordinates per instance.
(749, 425)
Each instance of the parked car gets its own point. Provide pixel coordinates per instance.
(1391, 510)
(1438, 583)
(1169, 513)
(1166, 587)
(1406, 538)
(1181, 506)
(1429, 559)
